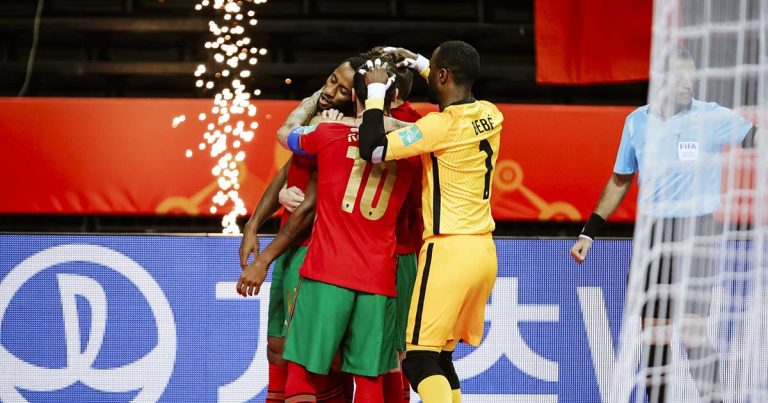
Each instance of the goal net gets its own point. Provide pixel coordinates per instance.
(695, 326)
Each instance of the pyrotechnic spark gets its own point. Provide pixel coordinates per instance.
(231, 122)
(178, 120)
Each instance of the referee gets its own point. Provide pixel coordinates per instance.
(457, 264)
(676, 146)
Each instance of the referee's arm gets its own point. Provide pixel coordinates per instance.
(750, 140)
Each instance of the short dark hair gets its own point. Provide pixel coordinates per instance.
(355, 61)
(680, 52)
(461, 59)
(361, 90)
(404, 83)
(403, 75)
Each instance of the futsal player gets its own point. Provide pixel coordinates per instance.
(289, 244)
(457, 265)
(345, 300)
(409, 230)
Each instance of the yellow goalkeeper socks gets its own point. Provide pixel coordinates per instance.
(435, 389)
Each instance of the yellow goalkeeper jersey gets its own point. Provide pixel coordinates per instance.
(458, 148)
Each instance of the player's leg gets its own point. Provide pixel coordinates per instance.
(348, 382)
(482, 263)
(316, 327)
(422, 361)
(446, 364)
(407, 267)
(369, 349)
(278, 372)
(328, 388)
(276, 332)
(392, 384)
(455, 278)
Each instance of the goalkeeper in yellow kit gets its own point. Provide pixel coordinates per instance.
(457, 264)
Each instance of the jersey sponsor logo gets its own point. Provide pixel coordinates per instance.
(82, 351)
(410, 135)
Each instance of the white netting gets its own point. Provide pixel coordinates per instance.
(699, 277)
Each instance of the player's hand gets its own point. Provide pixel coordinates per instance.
(291, 198)
(252, 278)
(580, 249)
(249, 244)
(332, 114)
(402, 52)
(410, 60)
(375, 72)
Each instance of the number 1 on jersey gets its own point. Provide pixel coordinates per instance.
(371, 185)
(485, 146)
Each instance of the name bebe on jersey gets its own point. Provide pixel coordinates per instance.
(482, 125)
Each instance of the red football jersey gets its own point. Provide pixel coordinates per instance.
(353, 238)
(405, 113)
(299, 171)
(410, 224)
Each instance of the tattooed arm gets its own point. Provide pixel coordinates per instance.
(299, 117)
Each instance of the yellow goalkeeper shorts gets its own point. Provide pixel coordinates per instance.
(455, 278)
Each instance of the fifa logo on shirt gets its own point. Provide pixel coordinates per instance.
(688, 151)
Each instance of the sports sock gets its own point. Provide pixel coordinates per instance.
(276, 387)
(329, 387)
(299, 387)
(348, 382)
(393, 387)
(369, 389)
(435, 389)
(406, 389)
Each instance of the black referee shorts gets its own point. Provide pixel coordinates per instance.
(681, 268)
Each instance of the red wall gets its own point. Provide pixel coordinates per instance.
(121, 156)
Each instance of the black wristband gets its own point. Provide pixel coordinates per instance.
(593, 226)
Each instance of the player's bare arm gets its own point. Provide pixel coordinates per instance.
(610, 199)
(306, 110)
(298, 223)
(267, 206)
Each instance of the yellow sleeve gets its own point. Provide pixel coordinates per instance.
(428, 134)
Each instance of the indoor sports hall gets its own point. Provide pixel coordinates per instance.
(159, 177)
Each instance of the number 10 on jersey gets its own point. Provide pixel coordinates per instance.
(372, 183)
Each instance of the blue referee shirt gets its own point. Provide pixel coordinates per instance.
(679, 159)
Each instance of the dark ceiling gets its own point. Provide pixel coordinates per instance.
(150, 48)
